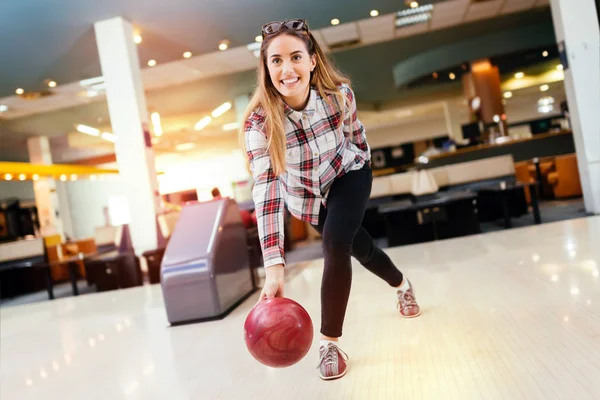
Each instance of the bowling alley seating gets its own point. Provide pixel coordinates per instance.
(565, 179)
(463, 176)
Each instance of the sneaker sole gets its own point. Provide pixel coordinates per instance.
(410, 316)
(329, 378)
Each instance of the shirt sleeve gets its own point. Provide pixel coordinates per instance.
(354, 130)
(267, 196)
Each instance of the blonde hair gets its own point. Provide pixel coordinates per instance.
(325, 77)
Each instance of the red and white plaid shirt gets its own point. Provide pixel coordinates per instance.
(319, 150)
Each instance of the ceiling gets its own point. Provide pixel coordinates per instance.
(47, 44)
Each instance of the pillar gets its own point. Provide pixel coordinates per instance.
(129, 118)
(483, 82)
(578, 38)
(46, 195)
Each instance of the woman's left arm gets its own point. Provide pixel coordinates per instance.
(353, 128)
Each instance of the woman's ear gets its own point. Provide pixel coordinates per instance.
(313, 62)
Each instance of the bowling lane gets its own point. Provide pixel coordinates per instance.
(507, 315)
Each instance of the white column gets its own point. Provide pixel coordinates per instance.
(577, 32)
(129, 118)
(46, 196)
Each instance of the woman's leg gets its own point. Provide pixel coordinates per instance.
(338, 224)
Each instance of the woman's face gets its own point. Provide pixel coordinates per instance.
(289, 66)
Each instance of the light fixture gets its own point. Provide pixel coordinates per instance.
(545, 105)
(222, 109)
(92, 177)
(554, 278)
(435, 75)
(258, 39)
(452, 76)
(519, 75)
(414, 4)
(560, 67)
(335, 21)
(545, 53)
(413, 16)
(203, 123)
(374, 13)
(496, 118)
(73, 177)
(52, 84)
(8, 177)
(22, 177)
(155, 117)
(187, 54)
(63, 177)
(88, 130)
(544, 88)
(185, 146)
(507, 95)
(35, 177)
(574, 291)
(231, 126)
(223, 45)
(137, 38)
(111, 137)
(19, 91)
(151, 63)
(3, 108)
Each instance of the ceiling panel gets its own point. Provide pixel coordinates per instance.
(343, 33)
(448, 13)
(482, 10)
(517, 5)
(378, 29)
(412, 30)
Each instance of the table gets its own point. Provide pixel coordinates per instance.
(445, 215)
(504, 189)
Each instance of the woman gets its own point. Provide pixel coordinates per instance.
(307, 149)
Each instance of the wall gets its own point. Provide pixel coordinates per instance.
(21, 190)
(87, 200)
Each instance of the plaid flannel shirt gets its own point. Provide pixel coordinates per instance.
(319, 150)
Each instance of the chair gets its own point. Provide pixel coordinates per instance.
(565, 180)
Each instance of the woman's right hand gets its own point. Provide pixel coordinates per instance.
(273, 286)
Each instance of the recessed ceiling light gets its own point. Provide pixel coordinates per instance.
(202, 123)
(19, 91)
(452, 76)
(223, 45)
(185, 146)
(545, 54)
(3, 108)
(222, 109)
(374, 13)
(63, 177)
(560, 67)
(73, 177)
(519, 75)
(137, 39)
(414, 4)
(544, 88)
(508, 95)
(8, 177)
(35, 177)
(335, 21)
(187, 54)
(231, 126)
(22, 177)
(258, 39)
(151, 63)
(52, 84)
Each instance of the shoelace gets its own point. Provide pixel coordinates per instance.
(406, 298)
(329, 353)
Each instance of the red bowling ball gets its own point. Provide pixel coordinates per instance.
(278, 332)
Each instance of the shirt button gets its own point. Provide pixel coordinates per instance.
(316, 154)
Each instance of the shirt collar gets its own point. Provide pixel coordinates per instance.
(309, 110)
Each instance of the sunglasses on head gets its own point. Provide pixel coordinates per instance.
(291, 24)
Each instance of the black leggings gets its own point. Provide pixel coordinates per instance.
(343, 236)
